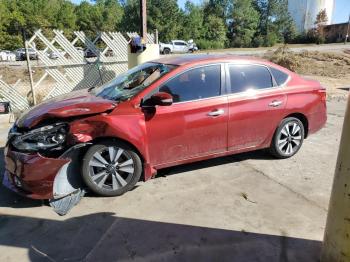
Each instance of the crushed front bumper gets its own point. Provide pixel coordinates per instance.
(39, 177)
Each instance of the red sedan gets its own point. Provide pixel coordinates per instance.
(159, 114)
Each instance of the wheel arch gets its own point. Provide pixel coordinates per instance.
(109, 138)
(303, 120)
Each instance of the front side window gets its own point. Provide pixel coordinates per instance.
(247, 77)
(198, 83)
(133, 81)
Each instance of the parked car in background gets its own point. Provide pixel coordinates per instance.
(56, 54)
(6, 55)
(21, 54)
(89, 53)
(177, 46)
(167, 112)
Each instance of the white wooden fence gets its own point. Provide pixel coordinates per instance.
(66, 67)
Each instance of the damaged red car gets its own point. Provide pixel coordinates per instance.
(162, 113)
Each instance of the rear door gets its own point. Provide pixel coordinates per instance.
(196, 123)
(256, 106)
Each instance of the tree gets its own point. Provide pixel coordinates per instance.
(215, 30)
(192, 22)
(275, 23)
(218, 8)
(163, 15)
(244, 23)
(321, 21)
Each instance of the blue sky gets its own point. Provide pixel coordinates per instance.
(341, 12)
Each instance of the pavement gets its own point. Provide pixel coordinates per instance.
(246, 207)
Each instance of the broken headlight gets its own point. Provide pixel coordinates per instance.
(51, 137)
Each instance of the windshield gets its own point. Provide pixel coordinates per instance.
(133, 81)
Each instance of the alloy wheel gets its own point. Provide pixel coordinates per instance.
(290, 138)
(111, 168)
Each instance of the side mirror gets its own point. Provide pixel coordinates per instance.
(161, 99)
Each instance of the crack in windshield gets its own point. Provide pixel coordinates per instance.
(133, 81)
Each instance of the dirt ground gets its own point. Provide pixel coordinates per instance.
(331, 69)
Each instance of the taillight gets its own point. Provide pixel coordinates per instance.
(323, 93)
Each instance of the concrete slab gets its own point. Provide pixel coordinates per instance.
(247, 207)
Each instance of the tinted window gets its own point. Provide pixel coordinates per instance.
(180, 43)
(244, 77)
(194, 84)
(279, 76)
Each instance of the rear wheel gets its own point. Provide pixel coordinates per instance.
(288, 138)
(111, 168)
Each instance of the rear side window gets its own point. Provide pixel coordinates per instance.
(279, 76)
(198, 83)
(244, 77)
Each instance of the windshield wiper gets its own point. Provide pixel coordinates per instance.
(91, 88)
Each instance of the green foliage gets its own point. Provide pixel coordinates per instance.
(207, 44)
(215, 29)
(245, 19)
(165, 16)
(275, 23)
(192, 22)
(211, 24)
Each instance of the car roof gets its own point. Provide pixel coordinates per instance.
(206, 58)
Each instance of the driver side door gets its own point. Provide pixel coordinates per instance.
(195, 124)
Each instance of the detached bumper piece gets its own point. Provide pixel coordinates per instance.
(63, 205)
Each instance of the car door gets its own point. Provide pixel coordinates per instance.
(196, 123)
(256, 106)
(184, 47)
(177, 47)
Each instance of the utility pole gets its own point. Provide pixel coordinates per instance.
(25, 43)
(336, 243)
(347, 32)
(143, 26)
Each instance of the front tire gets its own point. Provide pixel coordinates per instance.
(288, 138)
(111, 168)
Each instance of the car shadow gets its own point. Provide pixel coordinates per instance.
(258, 154)
(344, 88)
(106, 237)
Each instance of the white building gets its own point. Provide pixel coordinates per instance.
(304, 12)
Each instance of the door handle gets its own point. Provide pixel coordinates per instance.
(217, 112)
(275, 103)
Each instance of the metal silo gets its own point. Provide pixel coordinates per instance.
(304, 12)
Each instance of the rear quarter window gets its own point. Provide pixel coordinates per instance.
(280, 77)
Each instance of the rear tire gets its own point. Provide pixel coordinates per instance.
(288, 138)
(111, 168)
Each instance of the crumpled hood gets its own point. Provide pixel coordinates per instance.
(72, 104)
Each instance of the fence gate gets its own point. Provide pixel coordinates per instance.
(72, 65)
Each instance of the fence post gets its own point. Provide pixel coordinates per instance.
(156, 36)
(336, 244)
